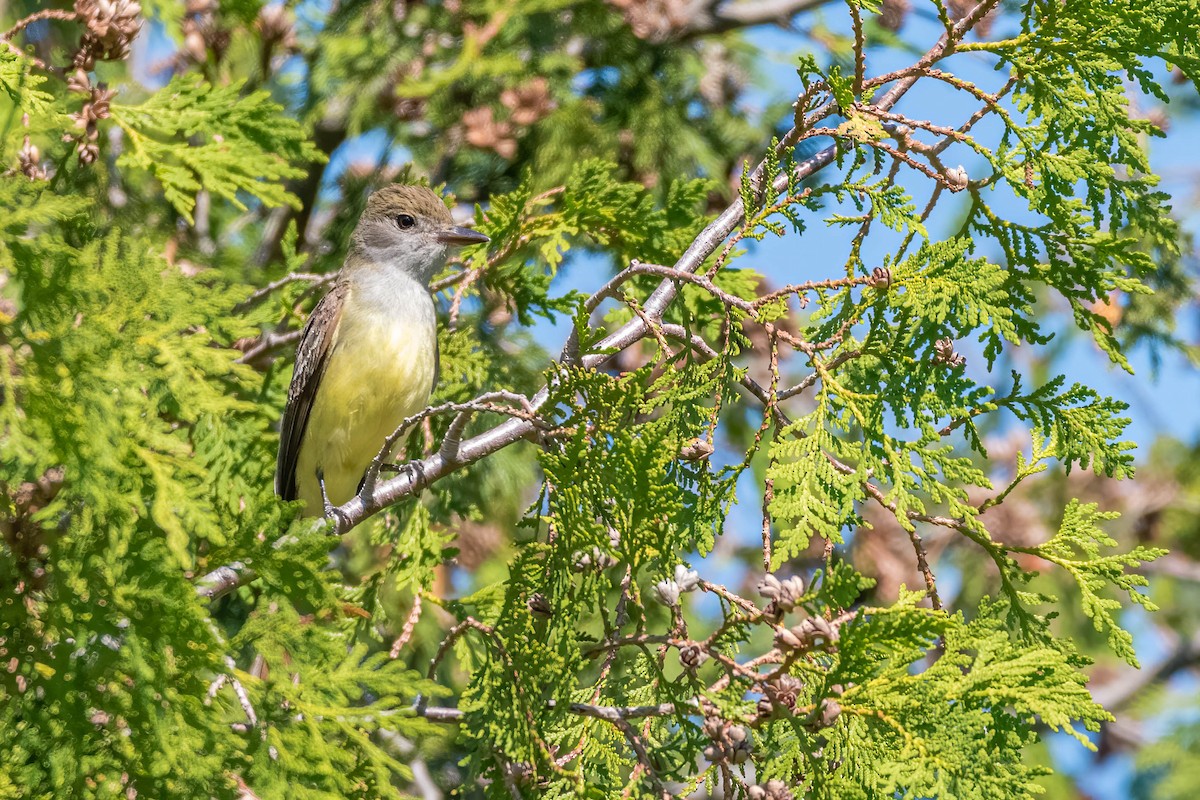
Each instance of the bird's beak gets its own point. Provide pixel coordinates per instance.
(461, 236)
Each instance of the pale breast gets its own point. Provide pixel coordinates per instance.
(381, 370)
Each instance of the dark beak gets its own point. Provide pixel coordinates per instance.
(461, 236)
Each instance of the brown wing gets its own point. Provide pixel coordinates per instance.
(311, 358)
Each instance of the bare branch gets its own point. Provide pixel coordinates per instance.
(708, 17)
(223, 580)
(606, 713)
(47, 13)
(315, 278)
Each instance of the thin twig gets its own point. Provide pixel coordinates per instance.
(315, 278)
(48, 13)
(410, 624)
(240, 691)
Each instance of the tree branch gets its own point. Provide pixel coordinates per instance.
(707, 17)
(437, 466)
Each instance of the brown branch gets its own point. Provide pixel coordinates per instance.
(1116, 694)
(917, 543)
(435, 467)
(860, 48)
(606, 713)
(223, 580)
(710, 17)
(269, 341)
(410, 624)
(315, 278)
(484, 444)
(48, 13)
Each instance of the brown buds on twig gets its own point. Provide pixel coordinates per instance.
(781, 691)
(830, 711)
(893, 14)
(277, 27)
(32, 496)
(697, 449)
(525, 104)
(79, 81)
(687, 579)
(668, 591)
(30, 159)
(654, 20)
(399, 105)
(595, 559)
(881, 278)
(202, 32)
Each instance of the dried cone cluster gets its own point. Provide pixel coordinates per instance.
(484, 131)
(944, 353)
(723, 79)
(26, 541)
(95, 109)
(810, 633)
(654, 20)
(782, 690)
(404, 108)
(202, 32)
(276, 26)
(730, 743)
(893, 14)
(526, 104)
(30, 159)
(960, 8)
(773, 789)
(783, 594)
(111, 26)
(529, 102)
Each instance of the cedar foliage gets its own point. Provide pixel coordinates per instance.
(170, 629)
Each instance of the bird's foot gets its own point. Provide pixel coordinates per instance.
(331, 511)
(414, 470)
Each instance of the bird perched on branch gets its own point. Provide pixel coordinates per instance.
(368, 357)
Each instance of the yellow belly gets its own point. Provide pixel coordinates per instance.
(381, 370)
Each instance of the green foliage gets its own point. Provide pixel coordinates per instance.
(192, 135)
(1076, 548)
(25, 91)
(812, 490)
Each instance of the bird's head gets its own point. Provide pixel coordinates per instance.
(409, 227)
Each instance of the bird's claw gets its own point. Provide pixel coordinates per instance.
(414, 470)
(332, 512)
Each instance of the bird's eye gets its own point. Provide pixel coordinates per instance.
(405, 221)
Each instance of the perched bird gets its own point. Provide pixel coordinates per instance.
(368, 357)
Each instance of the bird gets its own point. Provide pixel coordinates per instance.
(368, 356)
